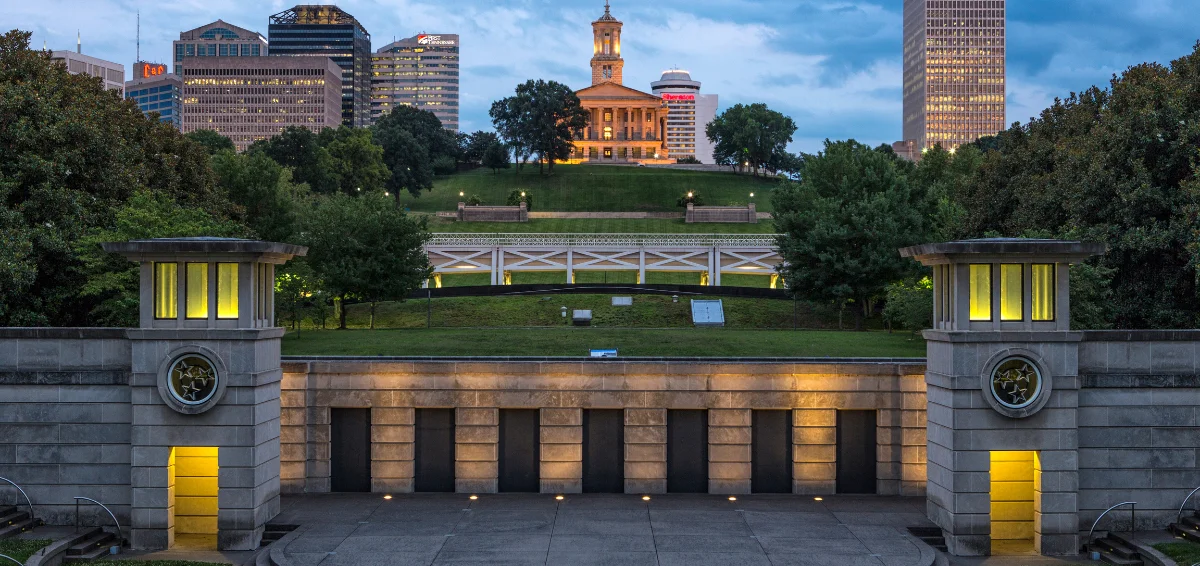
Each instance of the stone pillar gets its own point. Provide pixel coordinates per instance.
(729, 438)
(888, 439)
(392, 466)
(645, 451)
(316, 462)
(476, 450)
(1056, 502)
(912, 449)
(814, 455)
(293, 430)
(562, 450)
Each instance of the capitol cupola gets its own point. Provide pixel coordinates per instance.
(607, 64)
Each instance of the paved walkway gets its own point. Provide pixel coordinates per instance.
(512, 529)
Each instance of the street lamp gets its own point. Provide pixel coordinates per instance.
(522, 194)
(460, 193)
(689, 194)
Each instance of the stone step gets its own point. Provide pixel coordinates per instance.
(1110, 558)
(1116, 547)
(1188, 533)
(91, 547)
(1190, 520)
(12, 516)
(15, 528)
(275, 531)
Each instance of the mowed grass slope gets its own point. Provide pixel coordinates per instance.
(599, 226)
(596, 188)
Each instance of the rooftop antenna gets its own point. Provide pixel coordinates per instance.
(78, 42)
(139, 36)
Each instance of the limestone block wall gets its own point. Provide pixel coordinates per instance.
(645, 389)
(1138, 433)
(65, 421)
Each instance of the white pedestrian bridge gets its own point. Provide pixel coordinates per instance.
(709, 255)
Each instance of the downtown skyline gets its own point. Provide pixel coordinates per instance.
(835, 67)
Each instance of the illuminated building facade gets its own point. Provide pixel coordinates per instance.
(154, 89)
(422, 72)
(328, 31)
(112, 75)
(954, 71)
(218, 39)
(688, 115)
(624, 124)
(247, 99)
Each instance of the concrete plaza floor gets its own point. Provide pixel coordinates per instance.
(693, 530)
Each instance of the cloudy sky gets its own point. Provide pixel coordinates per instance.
(833, 65)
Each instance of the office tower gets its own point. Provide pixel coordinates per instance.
(328, 31)
(247, 99)
(112, 74)
(218, 39)
(156, 90)
(422, 72)
(954, 71)
(688, 115)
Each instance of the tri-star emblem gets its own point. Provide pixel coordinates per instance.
(1015, 383)
(195, 379)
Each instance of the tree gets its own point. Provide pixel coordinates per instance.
(268, 201)
(751, 135)
(910, 304)
(299, 149)
(517, 196)
(111, 281)
(1115, 165)
(357, 160)
(211, 141)
(543, 118)
(496, 157)
(425, 128)
(475, 146)
(72, 155)
(841, 226)
(365, 250)
(408, 161)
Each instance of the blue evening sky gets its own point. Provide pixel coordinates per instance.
(834, 65)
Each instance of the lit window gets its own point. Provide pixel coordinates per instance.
(227, 290)
(1043, 292)
(1011, 287)
(981, 292)
(197, 290)
(166, 289)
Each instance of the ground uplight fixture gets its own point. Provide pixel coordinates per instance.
(387, 497)
(645, 498)
(558, 497)
(474, 497)
(818, 499)
(732, 498)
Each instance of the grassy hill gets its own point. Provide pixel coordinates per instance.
(596, 188)
(600, 226)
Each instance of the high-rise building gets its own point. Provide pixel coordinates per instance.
(112, 74)
(624, 124)
(422, 72)
(954, 71)
(218, 39)
(156, 90)
(247, 99)
(328, 31)
(688, 115)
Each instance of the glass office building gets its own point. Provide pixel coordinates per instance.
(218, 39)
(153, 89)
(422, 72)
(328, 31)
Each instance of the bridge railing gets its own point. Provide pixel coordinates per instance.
(604, 240)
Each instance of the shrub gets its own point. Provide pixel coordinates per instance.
(688, 160)
(910, 304)
(517, 196)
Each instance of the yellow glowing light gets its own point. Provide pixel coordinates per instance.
(645, 498)
(474, 497)
(522, 193)
(751, 195)
(981, 292)
(689, 194)
(818, 499)
(464, 267)
(558, 497)
(460, 193)
(732, 498)
(387, 497)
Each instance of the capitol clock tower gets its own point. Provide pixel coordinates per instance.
(607, 64)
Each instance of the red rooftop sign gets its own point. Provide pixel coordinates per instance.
(679, 97)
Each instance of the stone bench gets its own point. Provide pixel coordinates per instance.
(727, 214)
(492, 213)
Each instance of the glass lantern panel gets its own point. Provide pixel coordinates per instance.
(166, 290)
(1011, 288)
(227, 290)
(1043, 292)
(981, 292)
(197, 290)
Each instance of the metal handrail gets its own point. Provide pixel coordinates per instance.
(120, 533)
(27, 501)
(1132, 518)
(1179, 515)
(18, 562)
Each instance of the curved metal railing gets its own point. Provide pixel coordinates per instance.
(15, 561)
(120, 533)
(26, 495)
(1179, 515)
(1132, 518)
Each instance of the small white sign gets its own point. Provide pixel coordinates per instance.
(604, 353)
(622, 301)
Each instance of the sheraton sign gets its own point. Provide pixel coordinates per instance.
(679, 97)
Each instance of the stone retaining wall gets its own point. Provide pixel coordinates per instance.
(726, 214)
(492, 213)
(644, 389)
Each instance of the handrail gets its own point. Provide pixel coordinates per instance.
(120, 533)
(27, 501)
(18, 563)
(1184, 504)
(1132, 518)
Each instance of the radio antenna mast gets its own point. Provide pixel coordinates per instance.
(139, 36)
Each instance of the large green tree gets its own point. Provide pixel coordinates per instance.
(268, 201)
(413, 141)
(357, 159)
(841, 226)
(71, 155)
(211, 140)
(752, 135)
(1116, 165)
(365, 250)
(299, 149)
(543, 118)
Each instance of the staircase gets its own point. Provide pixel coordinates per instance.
(14, 521)
(932, 536)
(91, 544)
(275, 531)
(1115, 549)
(1188, 527)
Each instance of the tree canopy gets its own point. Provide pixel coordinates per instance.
(754, 135)
(541, 118)
(211, 140)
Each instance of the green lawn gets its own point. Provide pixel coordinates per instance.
(596, 188)
(600, 226)
(648, 311)
(1183, 553)
(21, 549)
(567, 341)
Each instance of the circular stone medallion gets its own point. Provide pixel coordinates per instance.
(192, 379)
(1016, 383)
